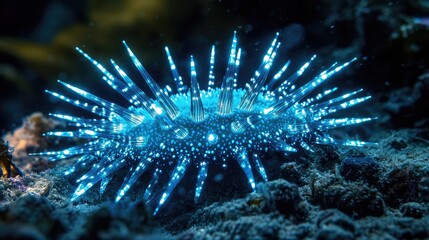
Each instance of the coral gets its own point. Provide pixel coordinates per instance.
(195, 128)
(8, 168)
(29, 137)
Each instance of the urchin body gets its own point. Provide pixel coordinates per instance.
(199, 128)
(214, 138)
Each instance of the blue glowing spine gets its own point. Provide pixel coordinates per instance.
(121, 137)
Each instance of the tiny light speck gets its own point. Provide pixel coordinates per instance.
(211, 137)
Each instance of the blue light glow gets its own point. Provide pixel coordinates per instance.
(201, 127)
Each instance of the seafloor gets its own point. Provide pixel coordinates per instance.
(378, 192)
(374, 192)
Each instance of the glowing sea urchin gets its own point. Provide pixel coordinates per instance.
(198, 127)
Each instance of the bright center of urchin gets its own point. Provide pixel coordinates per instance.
(212, 139)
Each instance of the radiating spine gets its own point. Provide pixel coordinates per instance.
(243, 161)
(211, 82)
(227, 88)
(176, 176)
(258, 81)
(163, 99)
(202, 175)
(137, 172)
(197, 109)
(181, 88)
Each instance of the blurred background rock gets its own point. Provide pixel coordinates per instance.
(37, 41)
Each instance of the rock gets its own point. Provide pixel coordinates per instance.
(409, 228)
(286, 199)
(292, 172)
(333, 217)
(413, 209)
(351, 198)
(36, 212)
(424, 188)
(401, 185)
(19, 232)
(360, 169)
(118, 221)
(398, 145)
(333, 233)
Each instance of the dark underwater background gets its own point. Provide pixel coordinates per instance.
(38, 39)
(378, 192)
